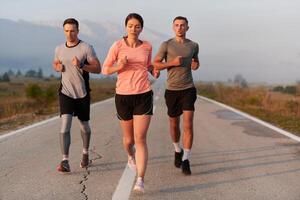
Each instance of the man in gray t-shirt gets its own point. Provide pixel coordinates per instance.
(179, 56)
(74, 59)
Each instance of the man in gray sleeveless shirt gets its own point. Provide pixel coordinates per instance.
(74, 59)
(180, 56)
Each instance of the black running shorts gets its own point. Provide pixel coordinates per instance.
(136, 104)
(76, 107)
(179, 100)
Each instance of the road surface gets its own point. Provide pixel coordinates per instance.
(232, 158)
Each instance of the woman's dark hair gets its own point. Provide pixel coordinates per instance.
(71, 21)
(134, 16)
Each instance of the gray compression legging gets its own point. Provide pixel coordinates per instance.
(65, 136)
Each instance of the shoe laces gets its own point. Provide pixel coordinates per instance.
(139, 185)
(131, 163)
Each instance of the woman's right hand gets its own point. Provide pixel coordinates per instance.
(122, 62)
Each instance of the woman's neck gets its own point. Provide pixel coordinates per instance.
(132, 42)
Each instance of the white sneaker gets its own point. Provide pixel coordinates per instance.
(131, 163)
(139, 186)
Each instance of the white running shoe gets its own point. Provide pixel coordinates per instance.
(139, 186)
(131, 163)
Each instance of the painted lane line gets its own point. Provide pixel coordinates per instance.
(270, 126)
(125, 184)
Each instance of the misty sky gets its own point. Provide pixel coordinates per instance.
(257, 38)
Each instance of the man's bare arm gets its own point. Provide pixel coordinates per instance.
(158, 64)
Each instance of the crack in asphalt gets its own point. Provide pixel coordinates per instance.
(93, 151)
(7, 173)
(86, 175)
(109, 141)
(82, 182)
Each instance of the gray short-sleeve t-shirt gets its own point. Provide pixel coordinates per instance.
(179, 77)
(73, 80)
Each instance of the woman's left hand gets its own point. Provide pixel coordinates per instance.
(155, 73)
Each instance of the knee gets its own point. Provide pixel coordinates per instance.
(65, 129)
(188, 128)
(85, 133)
(85, 128)
(128, 141)
(140, 140)
(65, 133)
(174, 125)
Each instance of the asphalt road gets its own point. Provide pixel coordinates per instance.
(232, 158)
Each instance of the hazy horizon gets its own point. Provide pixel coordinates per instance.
(254, 38)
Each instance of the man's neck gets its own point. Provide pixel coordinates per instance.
(180, 39)
(72, 43)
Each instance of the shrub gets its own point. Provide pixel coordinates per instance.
(290, 90)
(34, 92)
(278, 89)
(43, 96)
(292, 106)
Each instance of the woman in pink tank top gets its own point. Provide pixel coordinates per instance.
(130, 58)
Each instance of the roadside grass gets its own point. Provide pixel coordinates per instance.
(281, 110)
(27, 101)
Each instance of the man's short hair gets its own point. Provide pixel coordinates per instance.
(181, 18)
(71, 21)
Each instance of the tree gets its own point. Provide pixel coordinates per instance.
(19, 73)
(10, 73)
(31, 73)
(240, 81)
(5, 77)
(290, 90)
(40, 73)
(278, 89)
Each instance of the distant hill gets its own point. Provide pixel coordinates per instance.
(30, 45)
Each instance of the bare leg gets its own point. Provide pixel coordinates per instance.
(175, 128)
(128, 139)
(188, 129)
(141, 125)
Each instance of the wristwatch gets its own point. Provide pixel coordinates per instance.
(81, 65)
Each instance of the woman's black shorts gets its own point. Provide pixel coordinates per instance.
(136, 104)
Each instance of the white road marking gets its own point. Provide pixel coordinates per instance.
(125, 184)
(278, 130)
